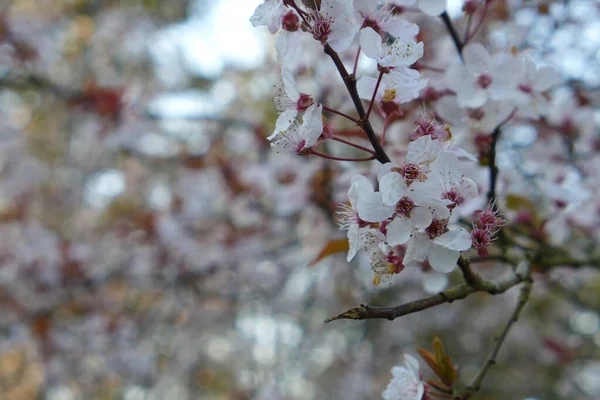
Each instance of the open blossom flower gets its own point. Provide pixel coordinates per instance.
(299, 138)
(406, 383)
(289, 102)
(360, 234)
(440, 246)
(531, 84)
(400, 85)
(447, 182)
(483, 119)
(380, 16)
(269, 13)
(384, 262)
(333, 24)
(481, 77)
(401, 53)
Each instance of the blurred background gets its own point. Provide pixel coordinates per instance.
(153, 247)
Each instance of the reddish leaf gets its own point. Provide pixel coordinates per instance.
(332, 247)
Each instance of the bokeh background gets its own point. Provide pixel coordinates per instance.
(153, 247)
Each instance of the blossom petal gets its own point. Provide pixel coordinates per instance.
(371, 209)
(284, 121)
(398, 231)
(459, 240)
(432, 8)
(370, 43)
(442, 259)
(392, 187)
(312, 124)
(366, 86)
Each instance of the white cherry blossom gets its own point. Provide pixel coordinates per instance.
(334, 24)
(401, 53)
(380, 16)
(299, 138)
(269, 13)
(406, 383)
(400, 85)
(289, 102)
(481, 77)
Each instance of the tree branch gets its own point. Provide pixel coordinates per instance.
(475, 385)
(350, 82)
(455, 38)
(447, 296)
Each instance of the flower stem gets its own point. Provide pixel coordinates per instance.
(334, 111)
(357, 146)
(374, 95)
(327, 156)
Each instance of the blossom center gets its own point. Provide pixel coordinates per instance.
(389, 95)
(525, 88)
(411, 172)
(290, 22)
(484, 81)
(453, 196)
(321, 30)
(304, 102)
(405, 206)
(436, 228)
(476, 114)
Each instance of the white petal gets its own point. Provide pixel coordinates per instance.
(284, 121)
(468, 189)
(402, 53)
(289, 84)
(370, 43)
(412, 364)
(442, 259)
(459, 240)
(421, 217)
(417, 249)
(366, 87)
(289, 48)
(342, 33)
(312, 124)
(546, 78)
(476, 57)
(353, 241)
(432, 7)
(398, 231)
(392, 187)
(423, 150)
(401, 28)
(371, 209)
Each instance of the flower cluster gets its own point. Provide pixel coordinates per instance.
(412, 209)
(488, 88)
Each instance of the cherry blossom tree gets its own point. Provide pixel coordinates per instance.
(420, 175)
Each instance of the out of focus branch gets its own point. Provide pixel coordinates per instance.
(475, 385)
(453, 34)
(36, 82)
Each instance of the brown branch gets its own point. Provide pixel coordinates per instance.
(470, 277)
(350, 82)
(447, 296)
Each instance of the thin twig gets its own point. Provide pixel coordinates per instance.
(374, 95)
(334, 111)
(357, 146)
(475, 385)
